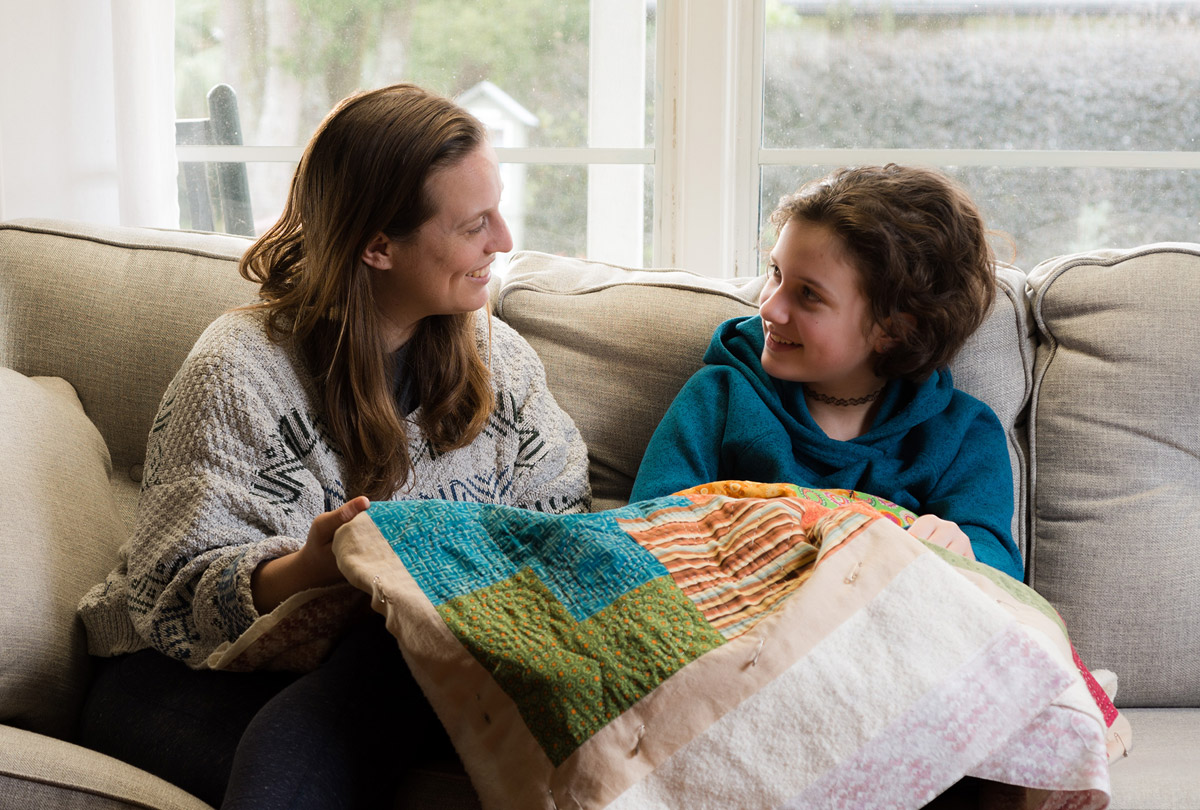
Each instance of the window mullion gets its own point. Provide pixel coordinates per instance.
(616, 119)
(707, 126)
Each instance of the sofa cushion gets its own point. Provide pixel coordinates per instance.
(1160, 771)
(39, 772)
(114, 311)
(618, 344)
(1115, 435)
(59, 537)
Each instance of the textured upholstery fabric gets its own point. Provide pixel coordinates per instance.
(53, 488)
(40, 772)
(1165, 756)
(1115, 431)
(114, 311)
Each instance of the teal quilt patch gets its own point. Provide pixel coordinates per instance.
(454, 548)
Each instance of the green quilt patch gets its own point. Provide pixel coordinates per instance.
(569, 678)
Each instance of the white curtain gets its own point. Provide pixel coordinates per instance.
(87, 113)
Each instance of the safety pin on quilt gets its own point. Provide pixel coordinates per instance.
(487, 718)
(554, 802)
(637, 743)
(377, 591)
(757, 652)
(853, 575)
(1124, 748)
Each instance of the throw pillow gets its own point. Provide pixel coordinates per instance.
(59, 537)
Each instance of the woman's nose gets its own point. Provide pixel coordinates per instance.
(501, 241)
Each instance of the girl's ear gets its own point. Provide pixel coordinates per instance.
(378, 252)
(891, 331)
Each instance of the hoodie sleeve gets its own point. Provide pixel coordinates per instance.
(976, 492)
(685, 449)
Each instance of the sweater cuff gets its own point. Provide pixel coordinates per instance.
(109, 628)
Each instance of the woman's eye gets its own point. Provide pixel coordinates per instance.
(478, 228)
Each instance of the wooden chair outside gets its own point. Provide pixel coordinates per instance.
(215, 196)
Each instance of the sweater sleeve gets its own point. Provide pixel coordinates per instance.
(225, 487)
(542, 447)
(976, 492)
(685, 449)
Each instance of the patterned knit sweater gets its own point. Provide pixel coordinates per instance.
(238, 464)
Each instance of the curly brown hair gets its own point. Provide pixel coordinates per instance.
(921, 250)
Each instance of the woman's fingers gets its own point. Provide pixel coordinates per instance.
(326, 523)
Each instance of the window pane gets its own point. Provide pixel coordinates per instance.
(290, 61)
(538, 73)
(1051, 212)
(1063, 74)
(555, 205)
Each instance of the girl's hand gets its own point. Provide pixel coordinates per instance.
(942, 533)
(313, 566)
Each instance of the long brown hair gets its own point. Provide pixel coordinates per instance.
(365, 172)
(922, 254)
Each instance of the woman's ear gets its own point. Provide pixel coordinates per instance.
(378, 252)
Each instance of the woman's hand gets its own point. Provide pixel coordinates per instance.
(313, 566)
(944, 533)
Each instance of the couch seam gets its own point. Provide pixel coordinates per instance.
(1021, 316)
(47, 231)
(81, 789)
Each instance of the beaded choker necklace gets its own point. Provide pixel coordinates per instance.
(841, 402)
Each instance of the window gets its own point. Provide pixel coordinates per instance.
(562, 86)
(1073, 123)
(664, 131)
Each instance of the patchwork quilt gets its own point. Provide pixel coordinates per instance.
(735, 645)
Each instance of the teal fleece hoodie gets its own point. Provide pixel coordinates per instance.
(932, 449)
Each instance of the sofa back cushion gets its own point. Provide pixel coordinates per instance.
(618, 344)
(1115, 433)
(113, 311)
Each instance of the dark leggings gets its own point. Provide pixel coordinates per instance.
(331, 738)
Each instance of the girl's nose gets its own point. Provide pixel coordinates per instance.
(772, 308)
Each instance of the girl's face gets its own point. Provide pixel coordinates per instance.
(445, 268)
(817, 322)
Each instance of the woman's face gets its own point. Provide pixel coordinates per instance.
(816, 321)
(444, 269)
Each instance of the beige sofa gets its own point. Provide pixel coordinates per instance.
(1088, 362)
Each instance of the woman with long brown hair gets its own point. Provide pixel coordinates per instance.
(368, 369)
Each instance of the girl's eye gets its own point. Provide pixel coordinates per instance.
(810, 295)
(773, 271)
